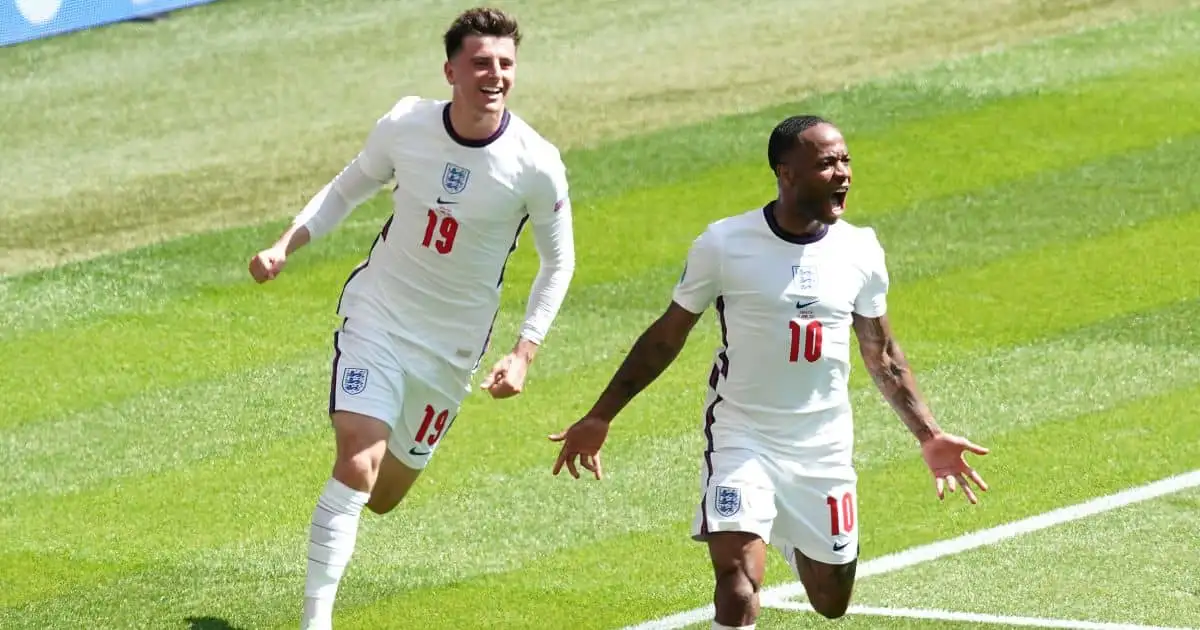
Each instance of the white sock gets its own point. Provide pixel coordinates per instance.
(718, 626)
(331, 539)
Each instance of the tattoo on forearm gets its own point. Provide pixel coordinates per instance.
(890, 370)
(650, 355)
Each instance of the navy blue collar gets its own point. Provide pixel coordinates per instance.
(467, 142)
(799, 239)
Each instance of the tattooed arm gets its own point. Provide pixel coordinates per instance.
(653, 351)
(888, 367)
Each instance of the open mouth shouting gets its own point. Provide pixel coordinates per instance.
(837, 200)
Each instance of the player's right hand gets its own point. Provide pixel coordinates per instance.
(583, 440)
(267, 264)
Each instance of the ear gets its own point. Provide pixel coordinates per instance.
(449, 72)
(783, 174)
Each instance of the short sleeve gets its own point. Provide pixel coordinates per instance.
(699, 284)
(872, 297)
(375, 158)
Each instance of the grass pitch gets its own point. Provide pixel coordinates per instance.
(1030, 170)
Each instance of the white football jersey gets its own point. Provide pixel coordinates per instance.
(433, 275)
(785, 307)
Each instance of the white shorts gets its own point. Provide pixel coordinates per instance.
(784, 499)
(378, 375)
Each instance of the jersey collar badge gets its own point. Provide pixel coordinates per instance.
(804, 279)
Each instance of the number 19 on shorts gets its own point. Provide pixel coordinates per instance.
(807, 337)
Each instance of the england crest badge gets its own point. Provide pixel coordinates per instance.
(454, 178)
(728, 500)
(804, 279)
(354, 380)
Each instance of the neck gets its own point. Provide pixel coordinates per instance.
(792, 222)
(474, 125)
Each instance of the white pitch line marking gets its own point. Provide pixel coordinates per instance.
(950, 615)
(966, 542)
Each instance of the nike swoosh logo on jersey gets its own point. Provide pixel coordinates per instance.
(799, 305)
(837, 547)
(414, 451)
(445, 202)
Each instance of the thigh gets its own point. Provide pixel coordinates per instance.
(818, 516)
(366, 378)
(737, 495)
(426, 416)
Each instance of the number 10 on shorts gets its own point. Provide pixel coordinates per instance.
(841, 514)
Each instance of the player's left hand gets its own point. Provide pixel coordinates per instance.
(944, 454)
(507, 378)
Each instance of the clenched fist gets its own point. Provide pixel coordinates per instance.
(267, 264)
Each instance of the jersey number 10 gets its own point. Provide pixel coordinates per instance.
(446, 228)
(809, 336)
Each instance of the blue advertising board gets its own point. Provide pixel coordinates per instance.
(24, 20)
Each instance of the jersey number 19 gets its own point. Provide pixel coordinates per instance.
(445, 227)
(809, 336)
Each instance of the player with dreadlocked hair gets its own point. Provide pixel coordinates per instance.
(789, 281)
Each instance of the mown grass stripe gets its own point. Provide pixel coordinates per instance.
(155, 170)
(1097, 463)
(948, 163)
(1086, 370)
(199, 340)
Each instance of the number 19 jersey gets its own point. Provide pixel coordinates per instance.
(434, 274)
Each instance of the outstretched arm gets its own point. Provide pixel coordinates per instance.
(357, 182)
(653, 351)
(658, 346)
(324, 212)
(943, 453)
(651, 354)
(888, 367)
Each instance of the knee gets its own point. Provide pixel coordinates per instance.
(360, 444)
(357, 470)
(737, 593)
(830, 603)
(829, 586)
(830, 610)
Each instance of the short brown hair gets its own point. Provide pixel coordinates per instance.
(480, 21)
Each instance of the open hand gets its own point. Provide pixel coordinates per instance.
(944, 454)
(582, 440)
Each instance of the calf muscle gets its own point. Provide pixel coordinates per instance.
(829, 586)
